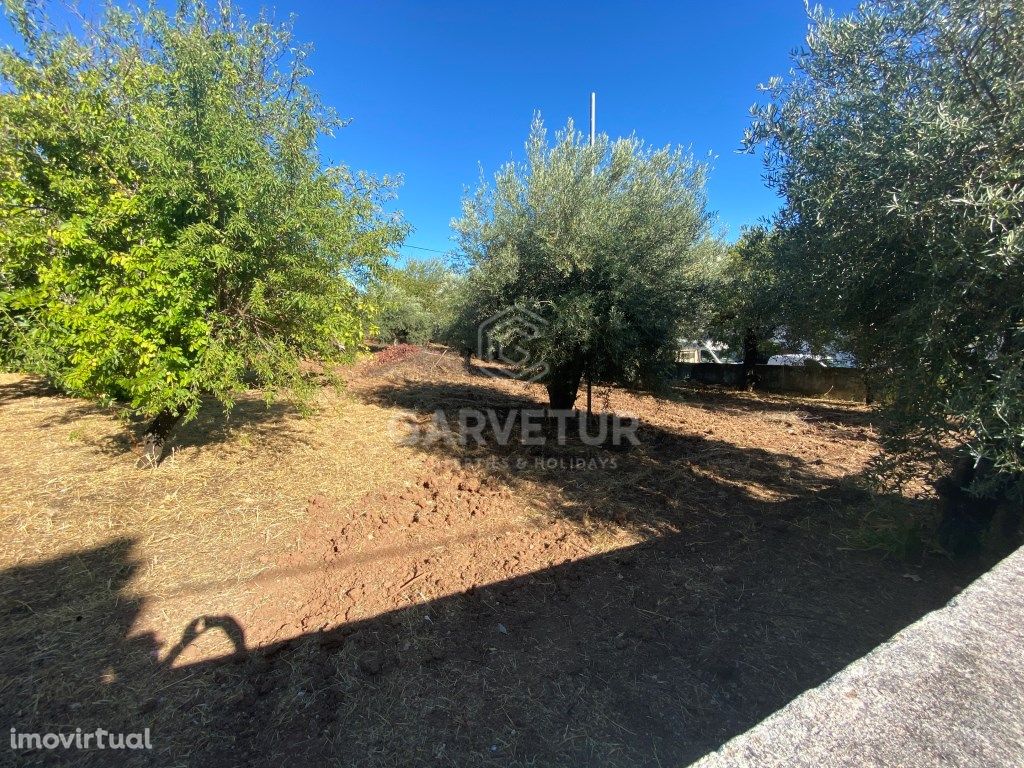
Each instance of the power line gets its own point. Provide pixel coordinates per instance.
(421, 248)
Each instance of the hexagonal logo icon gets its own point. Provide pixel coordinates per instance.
(500, 340)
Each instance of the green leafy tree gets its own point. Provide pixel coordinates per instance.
(745, 299)
(417, 302)
(897, 144)
(755, 301)
(401, 317)
(167, 229)
(598, 242)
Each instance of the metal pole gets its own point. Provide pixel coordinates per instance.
(593, 117)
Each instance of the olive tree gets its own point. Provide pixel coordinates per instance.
(167, 228)
(896, 141)
(598, 242)
(745, 298)
(415, 302)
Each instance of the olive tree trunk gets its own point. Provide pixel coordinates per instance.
(965, 517)
(563, 384)
(748, 378)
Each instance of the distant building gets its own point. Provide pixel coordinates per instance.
(700, 351)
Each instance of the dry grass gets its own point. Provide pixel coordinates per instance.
(452, 602)
(210, 519)
(208, 527)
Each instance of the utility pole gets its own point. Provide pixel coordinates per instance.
(593, 140)
(593, 117)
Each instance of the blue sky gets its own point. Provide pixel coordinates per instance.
(437, 89)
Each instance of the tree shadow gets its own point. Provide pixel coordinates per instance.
(65, 639)
(27, 387)
(659, 485)
(213, 425)
(729, 400)
(655, 652)
(742, 596)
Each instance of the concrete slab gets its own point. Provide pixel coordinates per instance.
(946, 691)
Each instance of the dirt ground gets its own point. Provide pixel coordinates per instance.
(301, 590)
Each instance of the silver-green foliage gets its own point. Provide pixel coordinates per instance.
(745, 294)
(598, 241)
(898, 142)
(416, 302)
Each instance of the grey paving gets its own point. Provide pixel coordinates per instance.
(946, 691)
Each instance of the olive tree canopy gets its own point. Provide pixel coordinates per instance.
(898, 143)
(595, 240)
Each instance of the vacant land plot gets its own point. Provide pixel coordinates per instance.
(285, 590)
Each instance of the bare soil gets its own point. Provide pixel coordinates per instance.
(289, 590)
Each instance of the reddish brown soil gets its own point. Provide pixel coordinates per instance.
(447, 532)
(393, 353)
(476, 606)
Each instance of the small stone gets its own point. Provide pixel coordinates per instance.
(375, 662)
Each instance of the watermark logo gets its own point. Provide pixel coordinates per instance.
(500, 339)
(79, 739)
(522, 426)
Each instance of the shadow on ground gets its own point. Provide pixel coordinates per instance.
(24, 389)
(725, 399)
(213, 425)
(648, 655)
(669, 482)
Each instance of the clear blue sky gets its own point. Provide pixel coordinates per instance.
(436, 89)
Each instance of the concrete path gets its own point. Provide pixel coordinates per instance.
(946, 691)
